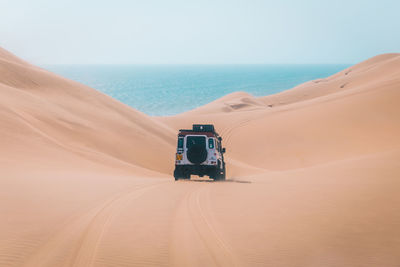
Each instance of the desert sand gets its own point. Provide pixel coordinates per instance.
(313, 175)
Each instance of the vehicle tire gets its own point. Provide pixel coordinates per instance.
(220, 173)
(214, 174)
(223, 174)
(177, 174)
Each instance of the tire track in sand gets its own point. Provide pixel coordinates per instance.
(81, 238)
(91, 239)
(195, 240)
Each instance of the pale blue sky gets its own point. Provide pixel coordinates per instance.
(204, 32)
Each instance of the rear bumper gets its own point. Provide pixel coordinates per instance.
(196, 169)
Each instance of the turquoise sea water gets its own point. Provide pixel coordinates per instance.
(171, 89)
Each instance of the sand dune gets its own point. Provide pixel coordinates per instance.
(313, 123)
(312, 175)
(39, 107)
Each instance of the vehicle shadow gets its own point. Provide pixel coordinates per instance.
(197, 180)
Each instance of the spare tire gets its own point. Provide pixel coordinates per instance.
(197, 154)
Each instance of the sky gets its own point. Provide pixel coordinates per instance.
(199, 32)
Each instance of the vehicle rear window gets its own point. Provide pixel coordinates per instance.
(211, 143)
(180, 142)
(195, 140)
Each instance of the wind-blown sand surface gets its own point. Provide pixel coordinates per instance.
(313, 175)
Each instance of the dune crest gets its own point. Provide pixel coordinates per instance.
(43, 108)
(372, 72)
(313, 123)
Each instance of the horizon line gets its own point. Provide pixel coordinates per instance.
(188, 64)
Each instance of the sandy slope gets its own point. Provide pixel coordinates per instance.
(331, 123)
(313, 176)
(40, 107)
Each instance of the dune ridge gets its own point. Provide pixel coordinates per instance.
(77, 118)
(313, 123)
(312, 175)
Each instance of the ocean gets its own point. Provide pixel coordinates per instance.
(163, 90)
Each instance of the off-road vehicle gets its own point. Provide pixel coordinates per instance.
(199, 152)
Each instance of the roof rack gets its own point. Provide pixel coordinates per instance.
(198, 128)
(203, 128)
